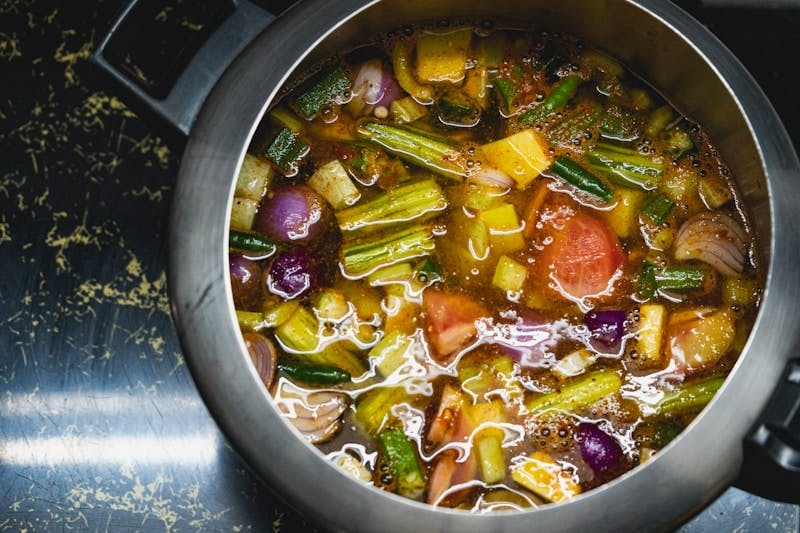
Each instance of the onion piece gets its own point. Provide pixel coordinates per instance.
(374, 86)
(714, 238)
(245, 281)
(315, 414)
(493, 177)
(264, 356)
(294, 214)
(293, 273)
(607, 327)
(600, 450)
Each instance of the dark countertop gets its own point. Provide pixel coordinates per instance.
(101, 427)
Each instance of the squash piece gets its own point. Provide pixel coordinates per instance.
(509, 275)
(505, 230)
(698, 338)
(543, 476)
(652, 319)
(523, 156)
(624, 217)
(442, 57)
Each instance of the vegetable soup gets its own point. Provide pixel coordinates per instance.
(487, 268)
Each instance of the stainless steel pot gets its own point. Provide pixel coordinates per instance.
(659, 41)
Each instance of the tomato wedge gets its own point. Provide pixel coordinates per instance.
(583, 257)
(450, 320)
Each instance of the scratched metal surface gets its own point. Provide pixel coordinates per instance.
(101, 428)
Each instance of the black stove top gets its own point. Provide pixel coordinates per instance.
(101, 427)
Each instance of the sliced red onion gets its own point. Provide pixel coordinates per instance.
(374, 85)
(600, 450)
(714, 238)
(263, 354)
(493, 177)
(245, 281)
(293, 273)
(295, 213)
(526, 340)
(607, 327)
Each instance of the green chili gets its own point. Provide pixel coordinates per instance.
(562, 93)
(579, 177)
(250, 242)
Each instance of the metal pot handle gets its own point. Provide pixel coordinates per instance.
(771, 466)
(171, 99)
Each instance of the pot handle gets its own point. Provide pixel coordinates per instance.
(771, 466)
(165, 57)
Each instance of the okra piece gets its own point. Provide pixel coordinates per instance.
(625, 166)
(419, 148)
(679, 142)
(562, 93)
(680, 278)
(621, 124)
(324, 91)
(286, 150)
(362, 256)
(575, 123)
(687, 398)
(318, 374)
(251, 242)
(658, 207)
(402, 459)
(401, 204)
(579, 394)
(580, 178)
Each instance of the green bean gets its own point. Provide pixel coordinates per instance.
(562, 93)
(579, 177)
(320, 374)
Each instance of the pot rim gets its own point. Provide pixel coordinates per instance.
(205, 320)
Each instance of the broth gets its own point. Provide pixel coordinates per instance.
(488, 268)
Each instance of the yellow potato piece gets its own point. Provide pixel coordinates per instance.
(442, 57)
(523, 156)
(540, 474)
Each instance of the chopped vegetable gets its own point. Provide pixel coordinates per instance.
(522, 156)
(403, 462)
(362, 255)
(324, 90)
(286, 150)
(714, 238)
(254, 178)
(714, 192)
(578, 394)
(575, 124)
(686, 398)
(574, 364)
(251, 242)
(698, 338)
(450, 319)
(581, 179)
(657, 208)
(409, 201)
(623, 217)
(406, 110)
(599, 449)
(263, 355)
(401, 61)
(333, 183)
(505, 230)
(319, 374)
(621, 124)
(625, 166)
(652, 323)
(542, 475)
(442, 57)
(681, 278)
(488, 441)
(415, 147)
(680, 142)
(374, 410)
(390, 353)
(509, 274)
(658, 120)
(243, 213)
(562, 93)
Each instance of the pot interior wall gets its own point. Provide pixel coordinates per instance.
(654, 51)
